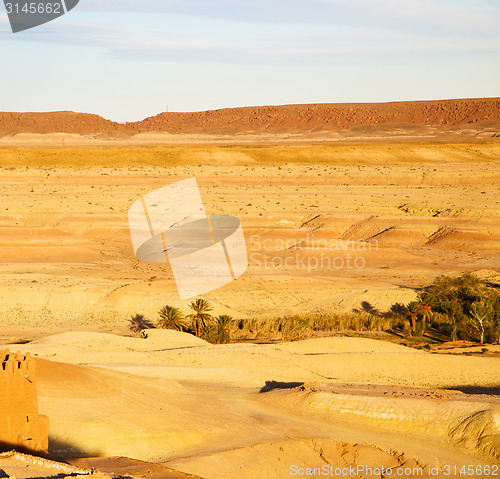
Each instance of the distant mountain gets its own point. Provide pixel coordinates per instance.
(268, 119)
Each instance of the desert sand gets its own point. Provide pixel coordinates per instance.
(254, 410)
(360, 212)
(327, 227)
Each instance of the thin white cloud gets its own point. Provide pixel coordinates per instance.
(397, 14)
(135, 44)
(423, 14)
(268, 45)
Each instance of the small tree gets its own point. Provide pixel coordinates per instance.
(171, 318)
(480, 314)
(200, 316)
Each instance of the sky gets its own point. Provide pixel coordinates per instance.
(129, 59)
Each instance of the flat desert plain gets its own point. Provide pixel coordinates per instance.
(328, 226)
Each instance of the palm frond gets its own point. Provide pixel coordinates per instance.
(171, 318)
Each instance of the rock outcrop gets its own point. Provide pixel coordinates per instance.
(267, 119)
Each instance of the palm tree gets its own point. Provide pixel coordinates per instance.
(171, 318)
(223, 325)
(200, 316)
(467, 296)
(413, 311)
(426, 308)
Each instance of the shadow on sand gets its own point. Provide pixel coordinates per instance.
(479, 390)
(272, 385)
(60, 451)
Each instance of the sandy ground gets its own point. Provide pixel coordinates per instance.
(362, 134)
(252, 410)
(327, 227)
(247, 410)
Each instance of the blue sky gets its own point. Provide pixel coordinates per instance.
(129, 59)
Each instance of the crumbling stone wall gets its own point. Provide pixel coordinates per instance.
(21, 427)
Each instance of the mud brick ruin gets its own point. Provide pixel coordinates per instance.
(21, 427)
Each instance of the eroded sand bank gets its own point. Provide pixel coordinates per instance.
(248, 410)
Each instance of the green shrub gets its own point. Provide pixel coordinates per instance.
(466, 307)
(294, 327)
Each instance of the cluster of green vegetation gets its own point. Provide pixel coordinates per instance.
(302, 326)
(462, 307)
(200, 322)
(223, 328)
